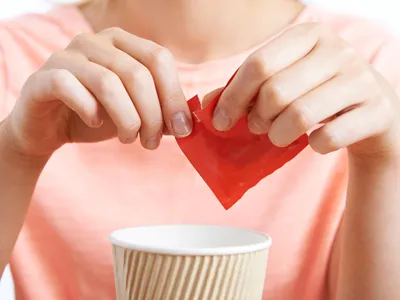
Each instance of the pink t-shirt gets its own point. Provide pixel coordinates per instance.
(88, 190)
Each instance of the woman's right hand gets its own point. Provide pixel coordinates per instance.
(101, 86)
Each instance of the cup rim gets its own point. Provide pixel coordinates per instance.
(264, 243)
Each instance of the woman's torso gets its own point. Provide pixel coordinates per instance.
(88, 190)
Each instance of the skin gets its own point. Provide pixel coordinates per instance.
(80, 95)
(352, 106)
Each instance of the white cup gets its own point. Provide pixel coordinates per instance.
(189, 262)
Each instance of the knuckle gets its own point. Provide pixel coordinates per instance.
(366, 78)
(301, 29)
(33, 78)
(272, 93)
(106, 82)
(131, 128)
(347, 58)
(355, 65)
(320, 29)
(300, 116)
(63, 60)
(348, 53)
(160, 56)
(58, 80)
(363, 78)
(111, 31)
(257, 67)
(79, 41)
(139, 75)
(306, 27)
(314, 28)
(56, 56)
(30, 82)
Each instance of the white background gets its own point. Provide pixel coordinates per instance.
(385, 11)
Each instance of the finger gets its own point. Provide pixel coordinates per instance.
(206, 100)
(108, 89)
(348, 129)
(320, 104)
(277, 55)
(139, 84)
(62, 85)
(278, 92)
(165, 130)
(110, 92)
(162, 66)
(211, 96)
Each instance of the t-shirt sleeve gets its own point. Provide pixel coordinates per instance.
(387, 60)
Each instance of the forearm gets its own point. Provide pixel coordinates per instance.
(369, 259)
(18, 177)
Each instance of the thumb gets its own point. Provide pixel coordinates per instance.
(210, 96)
(206, 100)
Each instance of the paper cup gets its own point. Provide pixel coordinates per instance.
(189, 262)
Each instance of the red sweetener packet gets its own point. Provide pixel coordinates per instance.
(233, 161)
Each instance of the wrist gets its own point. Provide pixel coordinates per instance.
(375, 162)
(10, 153)
(377, 151)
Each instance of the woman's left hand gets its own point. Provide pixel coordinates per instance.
(306, 79)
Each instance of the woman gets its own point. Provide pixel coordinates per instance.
(74, 79)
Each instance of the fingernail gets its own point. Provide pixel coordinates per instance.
(255, 128)
(152, 142)
(130, 140)
(180, 124)
(256, 125)
(97, 122)
(222, 121)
